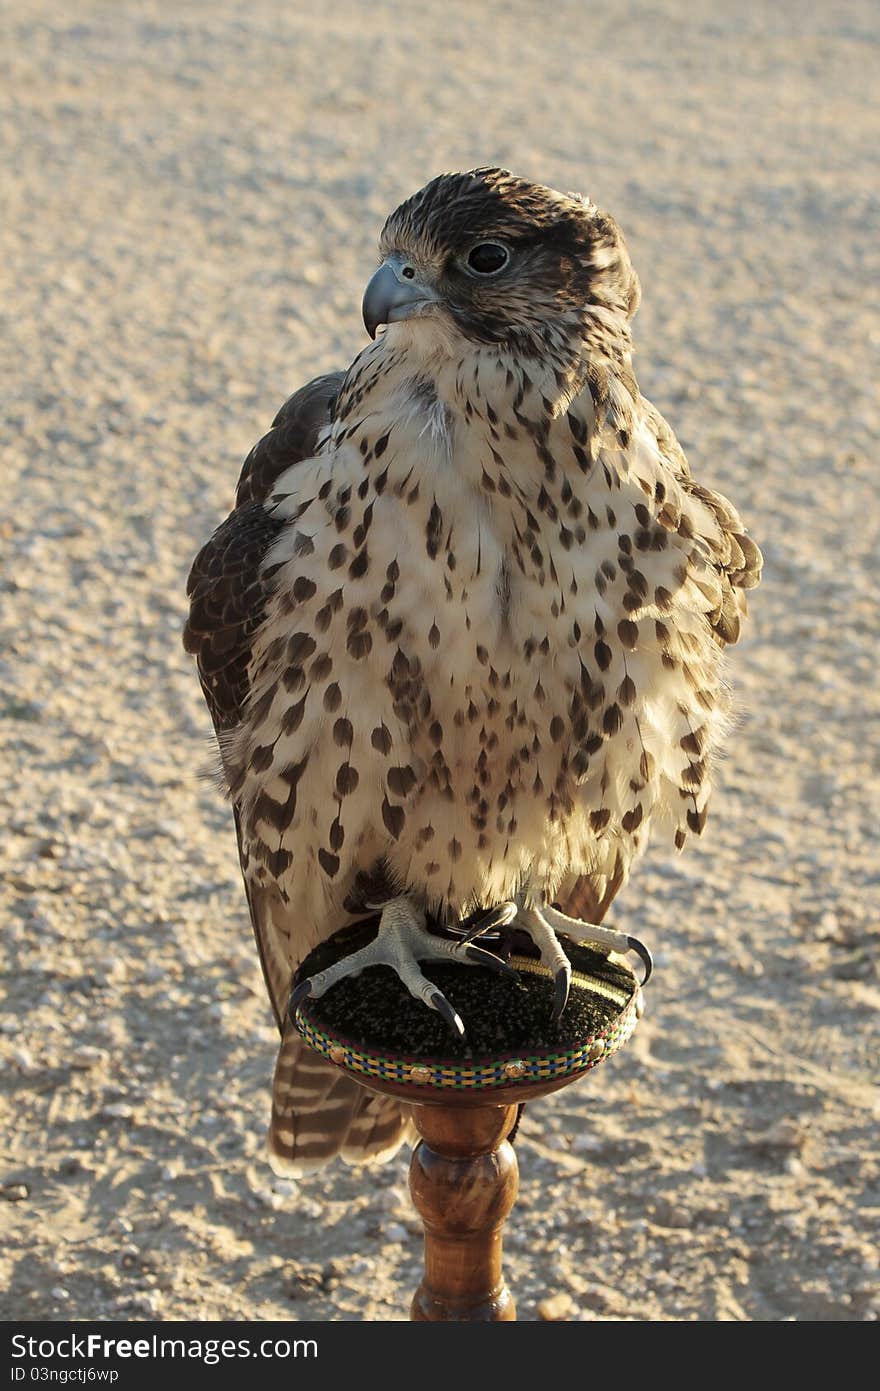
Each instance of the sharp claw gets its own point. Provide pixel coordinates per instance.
(474, 932)
(444, 1008)
(300, 993)
(499, 916)
(644, 956)
(491, 962)
(563, 985)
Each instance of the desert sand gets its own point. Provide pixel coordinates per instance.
(192, 195)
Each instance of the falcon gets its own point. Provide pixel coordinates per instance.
(462, 635)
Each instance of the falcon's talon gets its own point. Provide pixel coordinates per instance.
(479, 957)
(543, 924)
(403, 940)
(297, 995)
(591, 934)
(500, 916)
(562, 986)
(532, 921)
(645, 956)
(441, 1005)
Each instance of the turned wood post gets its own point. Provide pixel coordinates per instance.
(463, 1179)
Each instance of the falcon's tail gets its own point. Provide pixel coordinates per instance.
(318, 1113)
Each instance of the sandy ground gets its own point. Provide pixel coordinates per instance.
(192, 195)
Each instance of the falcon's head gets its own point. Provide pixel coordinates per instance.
(498, 260)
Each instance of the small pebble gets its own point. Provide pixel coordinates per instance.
(557, 1308)
(394, 1231)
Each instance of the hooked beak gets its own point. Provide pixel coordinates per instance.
(392, 295)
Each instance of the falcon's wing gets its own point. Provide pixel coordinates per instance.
(228, 597)
(317, 1112)
(723, 564)
(295, 433)
(731, 562)
(226, 593)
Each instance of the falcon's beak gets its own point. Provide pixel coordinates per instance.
(394, 293)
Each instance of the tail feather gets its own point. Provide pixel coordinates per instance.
(380, 1126)
(318, 1113)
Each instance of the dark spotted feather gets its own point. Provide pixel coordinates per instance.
(735, 565)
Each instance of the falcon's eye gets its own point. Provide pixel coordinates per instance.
(488, 258)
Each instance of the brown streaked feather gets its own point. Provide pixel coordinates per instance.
(294, 436)
(227, 592)
(227, 602)
(589, 898)
(318, 1113)
(732, 555)
(275, 968)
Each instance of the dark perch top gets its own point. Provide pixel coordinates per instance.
(372, 1027)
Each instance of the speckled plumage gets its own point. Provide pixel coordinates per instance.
(464, 632)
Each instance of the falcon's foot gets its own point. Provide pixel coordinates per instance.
(403, 940)
(542, 925)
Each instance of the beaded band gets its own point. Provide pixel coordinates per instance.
(498, 1071)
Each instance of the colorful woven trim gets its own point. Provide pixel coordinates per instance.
(500, 1071)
